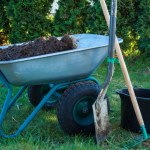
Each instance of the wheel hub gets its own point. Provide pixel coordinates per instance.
(85, 111)
(82, 111)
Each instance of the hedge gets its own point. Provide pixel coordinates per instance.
(143, 26)
(27, 19)
(73, 16)
(78, 16)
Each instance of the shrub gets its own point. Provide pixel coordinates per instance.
(25, 20)
(142, 26)
(73, 16)
(4, 23)
(97, 23)
(81, 17)
(126, 19)
(29, 19)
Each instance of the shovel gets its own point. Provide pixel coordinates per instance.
(100, 110)
(144, 136)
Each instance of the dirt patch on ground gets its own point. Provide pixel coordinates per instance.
(39, 46)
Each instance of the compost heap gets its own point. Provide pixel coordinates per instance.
(39, 46)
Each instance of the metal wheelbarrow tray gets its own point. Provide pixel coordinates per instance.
(58, 71)
(58, 67)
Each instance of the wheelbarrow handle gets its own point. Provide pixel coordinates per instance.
(124, 68)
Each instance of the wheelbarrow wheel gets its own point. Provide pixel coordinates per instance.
(74, 110)
(36, 93)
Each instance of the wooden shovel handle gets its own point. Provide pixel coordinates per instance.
(124, 68)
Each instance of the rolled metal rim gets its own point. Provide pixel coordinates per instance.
(120, 92)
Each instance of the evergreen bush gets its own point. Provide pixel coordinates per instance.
(143, 26)
(4, 23)
(73, 16)
(29, 19)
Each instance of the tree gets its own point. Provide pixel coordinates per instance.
(4, 23)
(73, 16)
(142, 26)
(29, 19)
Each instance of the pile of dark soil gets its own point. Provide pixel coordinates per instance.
(39, 46)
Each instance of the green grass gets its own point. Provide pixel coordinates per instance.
(44, 131)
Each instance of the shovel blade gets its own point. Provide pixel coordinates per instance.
(101, 120)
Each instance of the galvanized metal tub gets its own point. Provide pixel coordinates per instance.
(64, 66)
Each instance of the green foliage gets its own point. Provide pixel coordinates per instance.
(4, 23)
(29, 19)
(126, 19)
(3, 38)
(79, 16)
(73, 16)
(98, 24)
(143, 26)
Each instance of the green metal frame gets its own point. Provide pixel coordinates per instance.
(9, 102)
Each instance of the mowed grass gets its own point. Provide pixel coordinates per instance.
(44, 131)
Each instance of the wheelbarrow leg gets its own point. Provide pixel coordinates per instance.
(5, 106)
(8, 102)
(29, 118)
(17, 96)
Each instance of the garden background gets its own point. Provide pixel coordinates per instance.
(26, 20)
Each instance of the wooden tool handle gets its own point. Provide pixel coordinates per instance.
(124, 68)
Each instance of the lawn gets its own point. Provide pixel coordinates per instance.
(44, 131)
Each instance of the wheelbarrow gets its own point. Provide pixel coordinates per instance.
(67, 75)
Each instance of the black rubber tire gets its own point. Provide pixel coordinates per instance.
(67, 103)
(36, 93)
